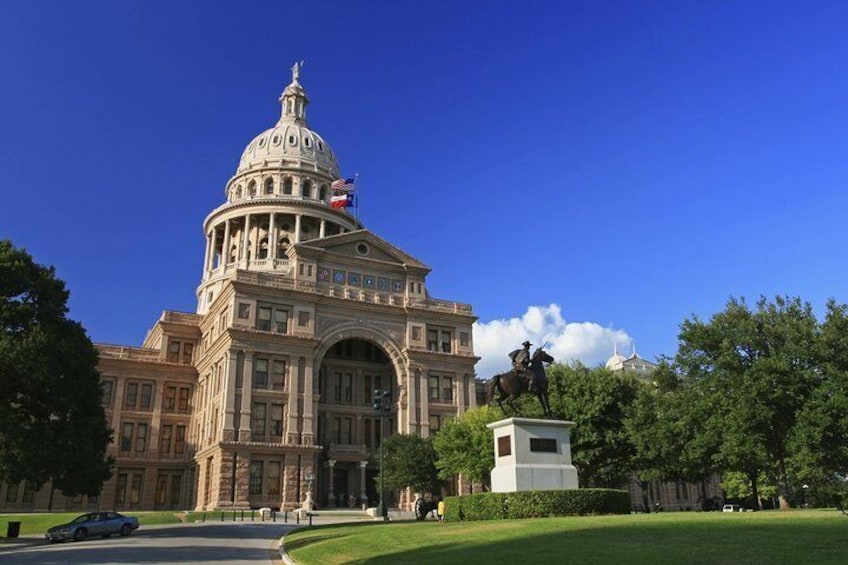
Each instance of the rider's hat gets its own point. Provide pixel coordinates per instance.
(526, 344)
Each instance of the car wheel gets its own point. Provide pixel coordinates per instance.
(126, 529)
(80, 534)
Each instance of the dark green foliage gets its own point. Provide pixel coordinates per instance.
(465, 445)
(536, 504)
(409, 461)
(52, 424)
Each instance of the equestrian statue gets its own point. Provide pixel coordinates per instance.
(527, 375)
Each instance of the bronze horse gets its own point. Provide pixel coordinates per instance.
(511, 385)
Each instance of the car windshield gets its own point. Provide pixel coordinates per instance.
(83, 518)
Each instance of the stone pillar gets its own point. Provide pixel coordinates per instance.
(156, 420)
(292, 435)
(272, 237)
(331, 488)
(297, 228)
(246, 398)
(245, 236)
(308, 433)
(209, 257)
(412, 376)
(323, 229)
(226, 244)
(424, 424)
(230, 395)
(242, 483)
(363, 493)
(291, 476)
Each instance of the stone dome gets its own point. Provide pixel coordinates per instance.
(291, 142)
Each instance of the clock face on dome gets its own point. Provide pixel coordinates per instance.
(339, 277)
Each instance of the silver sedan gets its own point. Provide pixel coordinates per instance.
(93, 524)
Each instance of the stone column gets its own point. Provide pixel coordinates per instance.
(412, 376)
(292, 436)
(242, 470)
(323, 229)
(246, 397)
(424, 424)
(226, 244)
(363, 493)
(297, 228)
(331, 489)
(245, 236)
(156, 420)
(230, 395)
(308, 433)
(208, 258)
(272, 237)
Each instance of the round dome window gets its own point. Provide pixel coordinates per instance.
(363, 249)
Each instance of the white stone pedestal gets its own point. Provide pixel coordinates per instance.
(532, 454)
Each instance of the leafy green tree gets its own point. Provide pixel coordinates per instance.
(756, 369)
(465, 445)
(409, 461)
(52, 424)
(597, 401)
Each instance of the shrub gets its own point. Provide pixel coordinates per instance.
(536, 504)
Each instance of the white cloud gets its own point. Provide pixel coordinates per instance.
(587, 342)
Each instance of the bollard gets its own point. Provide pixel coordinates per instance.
(234, 515)
(286, 517)
(273, 515)
(310, 518)
(242, 515)
(251, 515)
(222, 516)
(297, 516)
(204, 517)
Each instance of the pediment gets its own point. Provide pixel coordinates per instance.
(359, 246)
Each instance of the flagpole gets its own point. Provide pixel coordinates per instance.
(356, 195)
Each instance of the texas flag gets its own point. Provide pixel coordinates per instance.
(341, 200)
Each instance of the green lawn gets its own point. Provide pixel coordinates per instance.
(796, 536)
(38, 523)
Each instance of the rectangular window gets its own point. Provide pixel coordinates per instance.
(146, 396)
(447, 389)
(434, 387)
(440, 339)
(12, 493)
(131, 398)
(126, 437)
(260, 373)
(243, 311)
(367, 431)
(257, 420)
(176, 490)
(174, 351)
(141, 437)
(107, 387)
(278, 375)
(256, 477)
(435, 423)
(432, 340)
(263, 318)
(29, 492)
(170, 400)
(165, 440)
(121, 490)
(179, 442)
(273, 477)
(303, 319)
(188, 349)
(183, 400)
(337, 387)
(281, 321)
(347, 388)
(464, 339)
(135, 489)
(277, 420)
(161, 489)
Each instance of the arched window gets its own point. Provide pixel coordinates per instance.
(307, 189)
(238, 191)
(233, 252)
(263, 248)
(269, 186)
(251, 189)
(322, 194)
(287, 186)
(282, 244)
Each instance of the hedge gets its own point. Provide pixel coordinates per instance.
(536, 504)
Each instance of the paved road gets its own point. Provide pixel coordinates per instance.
(207, 544)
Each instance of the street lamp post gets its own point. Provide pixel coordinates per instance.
(382, 407)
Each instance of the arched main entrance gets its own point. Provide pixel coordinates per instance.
(348, 429)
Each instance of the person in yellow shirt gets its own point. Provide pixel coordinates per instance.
(440, 511)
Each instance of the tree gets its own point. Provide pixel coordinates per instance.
(596, 400)
(465, 446)
(52, 424)
(756, 370)
(409, 461)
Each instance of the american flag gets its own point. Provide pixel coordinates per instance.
(343, 185)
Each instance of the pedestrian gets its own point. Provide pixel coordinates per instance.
(440, 510)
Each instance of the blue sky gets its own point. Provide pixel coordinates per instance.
(585, 172)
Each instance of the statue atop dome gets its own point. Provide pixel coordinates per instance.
(296, 71)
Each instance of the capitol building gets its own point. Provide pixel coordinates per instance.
(266, 390)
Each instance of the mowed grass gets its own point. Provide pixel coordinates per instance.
(38, 523)
(795, 536)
